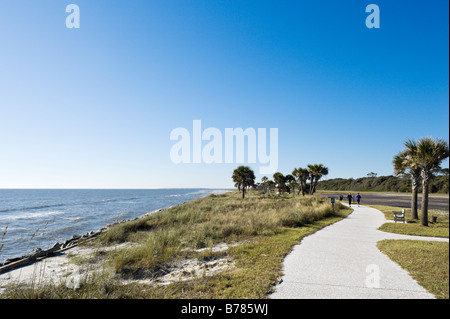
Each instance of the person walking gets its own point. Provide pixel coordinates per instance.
(349, 197)
(358, 198)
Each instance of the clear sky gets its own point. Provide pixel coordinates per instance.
(94, 107)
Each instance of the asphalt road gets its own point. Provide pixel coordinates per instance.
(388, 199)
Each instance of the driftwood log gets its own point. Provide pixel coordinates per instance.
(39, 254)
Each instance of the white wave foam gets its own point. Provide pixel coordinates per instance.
(30, 215)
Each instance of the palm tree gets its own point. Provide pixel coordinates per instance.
(428, 154)
(243, 177)
(270, 185)
(290, 181)
(312, 172)
(316, 171)
(264, 180)
(404, 165)
(301, 175)
(280, 180)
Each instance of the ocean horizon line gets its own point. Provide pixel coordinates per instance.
(162, 188)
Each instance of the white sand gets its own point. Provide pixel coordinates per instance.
(62, 268)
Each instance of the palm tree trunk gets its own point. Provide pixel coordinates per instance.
(414, 213)
(313, 185)
(300, 187)
(415, 189)
(424, 213)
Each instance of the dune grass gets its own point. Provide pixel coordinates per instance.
(169, 234)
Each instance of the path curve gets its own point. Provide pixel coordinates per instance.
(342, 261)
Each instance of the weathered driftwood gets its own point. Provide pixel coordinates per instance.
(38, 254)
(30, 258)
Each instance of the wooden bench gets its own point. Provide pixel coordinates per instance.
(399, 216)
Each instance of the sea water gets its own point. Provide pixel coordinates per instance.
(38, 218)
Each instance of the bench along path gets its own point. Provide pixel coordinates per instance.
(343, 261)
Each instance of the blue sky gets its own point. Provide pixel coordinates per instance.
(94, 107)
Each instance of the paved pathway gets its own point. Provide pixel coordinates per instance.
(342, 261)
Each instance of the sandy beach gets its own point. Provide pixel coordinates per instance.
(78, 263)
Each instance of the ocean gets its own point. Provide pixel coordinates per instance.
(38, 218)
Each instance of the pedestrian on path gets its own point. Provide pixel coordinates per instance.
(349, 197)
(358, 198)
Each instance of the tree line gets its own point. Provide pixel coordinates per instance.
(389, 183)
(244, 178)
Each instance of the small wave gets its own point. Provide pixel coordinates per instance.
(73, 218)
(115, 200)
(31, 215)
(12, 229)
(200, 192)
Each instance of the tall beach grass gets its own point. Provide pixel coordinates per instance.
(165, 235)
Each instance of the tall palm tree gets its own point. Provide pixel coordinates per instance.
(290, 181)
(280, 180)
(264, 180)
(316, 171)
(428, 154)
(312, 168)
(301, 175)
(243, 177)
(404, 165)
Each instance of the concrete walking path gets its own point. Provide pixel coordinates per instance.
(342, 261)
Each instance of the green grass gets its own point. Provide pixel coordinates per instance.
(413, 227)
(266, 226)
(427, 262)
